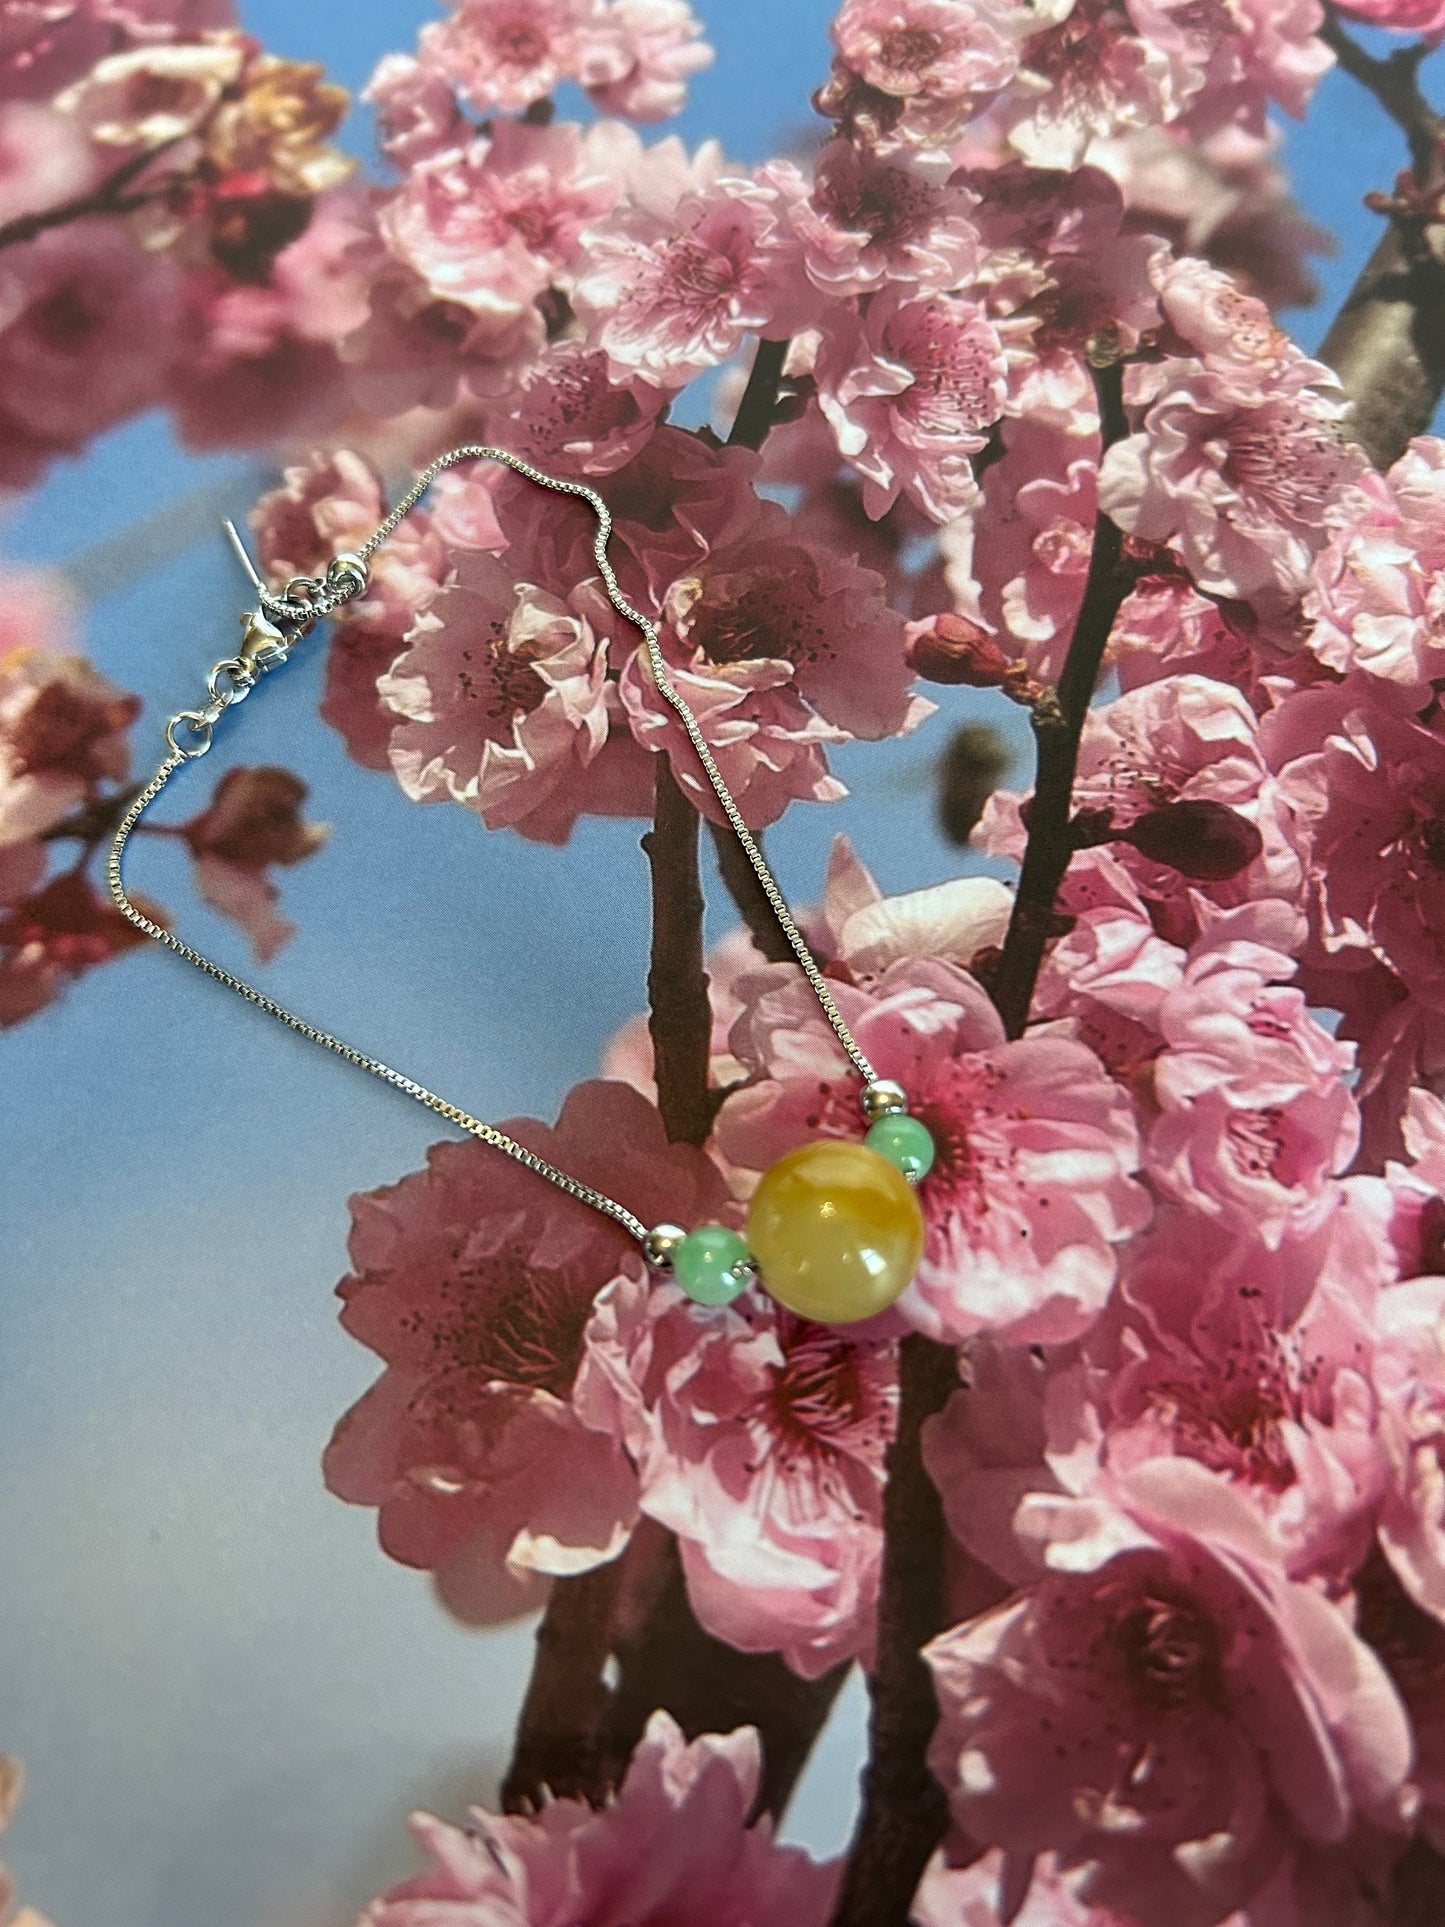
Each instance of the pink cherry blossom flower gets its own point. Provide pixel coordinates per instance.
(1410, 1381)
(414, 350)
(1031, 1190)
(52, 934)
(1164, 1710)
(474, 1280)
(43, 159)
(1256, 1115)
(1184, 740)
(504, 54)
(1166, 628)
(1402, 16)
(978, 1895)
(1377, 604)
(910, 389)
(929, 62)
(252, 821)
(1207, 1355)
(678, 1843)
(834, 666)
(87, 323)
(1228, 63)
(1039, 500)
(1110, 973)
(150, 95)
(759, 1440)
(1371, 802)
(1241, 483)
(1409, 1200)
(1411, 1644)
(502, 712)
(417, 115)
(322, 506)
(63, 726)
(491, 226)
(1225, 198)
(695, 258)
(572, 418)
(1086, 76)
(660, 48)
(873, 219)
(864, 931)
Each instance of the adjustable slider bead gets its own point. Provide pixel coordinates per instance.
(713, 1265)
(882, 1098)
(904, 1142)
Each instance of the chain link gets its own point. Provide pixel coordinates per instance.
(270, 635)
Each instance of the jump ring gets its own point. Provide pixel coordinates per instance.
(238, 676)
(200, 728)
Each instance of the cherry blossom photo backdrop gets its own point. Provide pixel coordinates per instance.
(933, 357)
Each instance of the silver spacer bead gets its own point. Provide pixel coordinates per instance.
(883, 1098)
(660, 1243)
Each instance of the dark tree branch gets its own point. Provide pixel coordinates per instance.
(759, 406)
(904, 1809)
(741, 883)
(666, 1659)
(680, 1014)
(1387, 344)
(559, 1746)
(1394, 80)
(110, 196)
(1058, 720)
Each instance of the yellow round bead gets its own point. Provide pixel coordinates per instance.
(836, 1231)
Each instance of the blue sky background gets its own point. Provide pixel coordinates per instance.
(226, 1698)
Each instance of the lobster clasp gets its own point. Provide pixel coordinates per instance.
(263, 644)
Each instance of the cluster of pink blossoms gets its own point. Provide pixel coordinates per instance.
(65, 764)
(1185, 1234)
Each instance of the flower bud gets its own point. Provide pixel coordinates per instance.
(1203, 840)
(950, 649)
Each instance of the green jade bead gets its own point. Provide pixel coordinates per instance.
(904, 1142)
(712, 1265)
